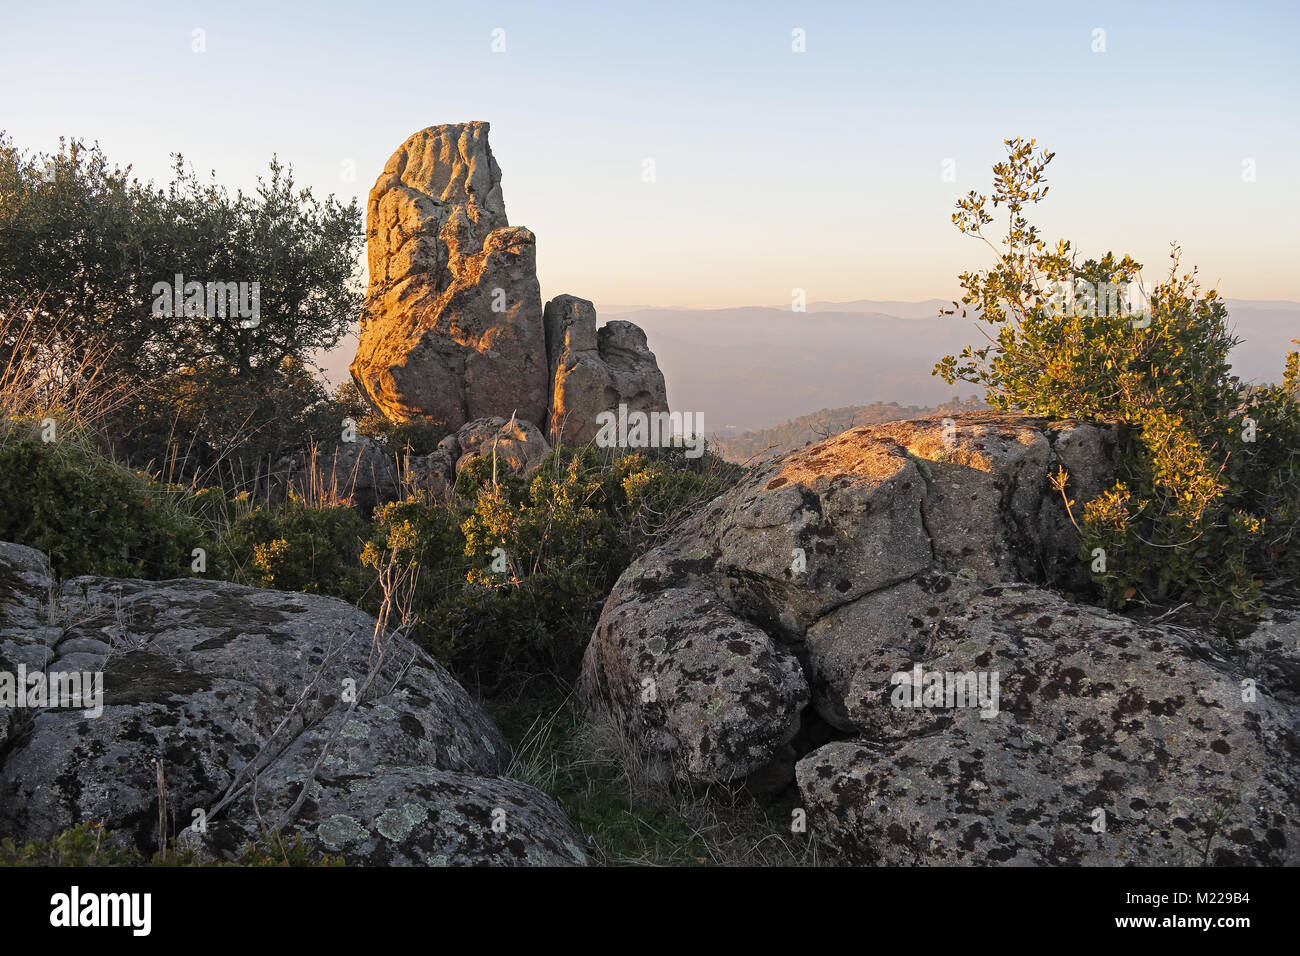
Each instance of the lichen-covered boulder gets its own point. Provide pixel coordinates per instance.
(212, 681)
(794, 617)
(1107, 742)
(1270, 654)
(810, 533)
(714, 693)
(517, 444)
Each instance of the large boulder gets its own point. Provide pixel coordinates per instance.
(594, 371)
(694, 683)
(212, 680)
(1112, 743)
(776, 628)
(452, 328)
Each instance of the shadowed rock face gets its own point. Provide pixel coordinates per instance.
(760, 643)
(452, 329)
(201, 675)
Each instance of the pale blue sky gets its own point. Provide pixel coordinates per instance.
(775, 169)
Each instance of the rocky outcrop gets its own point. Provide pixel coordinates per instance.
(765, 641)
(595, 371)
(367, 474)
(453, 326)
(213, 680)
(515, 444)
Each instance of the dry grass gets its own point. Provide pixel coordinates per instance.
(43, 380)
(633, 809)
(321, 484)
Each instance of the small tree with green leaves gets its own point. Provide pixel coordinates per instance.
(84, 246)
(1206, 505)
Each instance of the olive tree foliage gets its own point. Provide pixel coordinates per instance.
(86, 249)
(1208, 502)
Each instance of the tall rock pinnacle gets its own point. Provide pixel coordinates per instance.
(452, 328)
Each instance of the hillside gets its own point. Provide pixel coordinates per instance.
(806, 429)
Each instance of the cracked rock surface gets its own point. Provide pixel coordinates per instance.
(201, 675)
(594, 371)
(452, 327)
(760, 642)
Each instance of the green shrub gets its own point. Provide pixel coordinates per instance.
(1206, 501)
(205, 424)
(271, 849)
(86, 844)
(90, 515)
(82, 244)
(210, 506)
(513, 575)
(510, 577)
(294, 546)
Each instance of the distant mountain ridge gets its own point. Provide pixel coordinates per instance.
(924, 309)
(753, 367)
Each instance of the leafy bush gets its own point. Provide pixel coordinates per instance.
(271, 849)
(86, 844)
(564, 533)
(513, 575)
(82, 247)
(90, 515)
(204, 425)
(1206, 503)
(294, 546)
